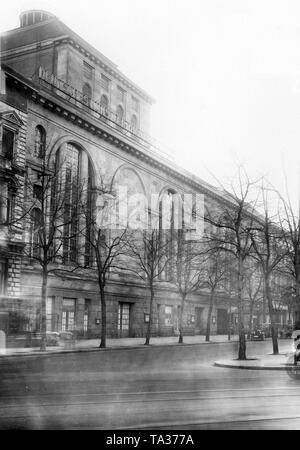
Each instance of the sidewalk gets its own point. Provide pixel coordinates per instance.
(93, 344)
(265, 362)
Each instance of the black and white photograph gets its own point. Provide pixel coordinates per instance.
(150, 218)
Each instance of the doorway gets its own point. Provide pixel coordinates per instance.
(124, 319)
(68, 314)
(199, 320)
(222, 321)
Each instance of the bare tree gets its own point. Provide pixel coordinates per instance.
(50, 210)
(105, 243)
(189, 268)
(290, 225)
(149, 253)
(269, 251)
(236, 220)
(215, 277)
(253, 292)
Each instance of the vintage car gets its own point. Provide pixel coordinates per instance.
(257, 335)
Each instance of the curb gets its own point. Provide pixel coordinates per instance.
(241, 366)
(127, 347)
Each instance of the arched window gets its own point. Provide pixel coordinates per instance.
(170, 221)
(73, 190)
(40, 141)
(104, 105)
(35, 232)
(134, 123)
(87, 94)
(120, 114)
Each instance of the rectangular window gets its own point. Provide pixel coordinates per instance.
(85, 322)
(68, 314)
(88, 71)
(123, 316)
(168, 315)
(135, 104)
(49, 306)
(10, 207)
(87, 303)
(8, 140)
(105, 82)
(3, 277)
(121, 94)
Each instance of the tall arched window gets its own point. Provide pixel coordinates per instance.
(134, 123)
(73, 190)
(35, 232)
(170, 221)
(120, 114)
(40, 141)
(87, 94)
(104, 105)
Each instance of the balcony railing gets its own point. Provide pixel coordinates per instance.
(97, 110)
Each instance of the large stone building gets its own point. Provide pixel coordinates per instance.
(62, 98)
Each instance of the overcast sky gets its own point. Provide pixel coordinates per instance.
(225, 75)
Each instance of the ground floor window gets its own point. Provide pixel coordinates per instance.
(123, 317)
(68, 314)
(85, 322)
(49, 312)
(3, 276)
(86, 315)
(168, 315)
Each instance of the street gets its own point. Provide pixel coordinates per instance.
(171, 387)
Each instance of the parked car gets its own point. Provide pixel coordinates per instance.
(66, 335)
(33, 339)
(257, 335)
(52, 338)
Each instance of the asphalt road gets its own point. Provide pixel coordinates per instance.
(164, 388)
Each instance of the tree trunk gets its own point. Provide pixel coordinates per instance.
(274, 330)
(251, 318)
(43, 346)
(180, 340)
(264, 309)
(242, 338)
(229, 322)
(242, 343)
(103, 317)
(148, 334)
(211, 305)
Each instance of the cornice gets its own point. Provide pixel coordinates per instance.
(111, 71)
(115, 138)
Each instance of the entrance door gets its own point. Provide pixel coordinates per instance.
(199, 319)
(222, 325)
(123, 319)
(68, 314)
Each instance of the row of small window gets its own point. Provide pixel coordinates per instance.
(88, 72)
(119, 116)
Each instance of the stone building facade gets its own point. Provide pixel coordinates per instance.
(61, 97)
